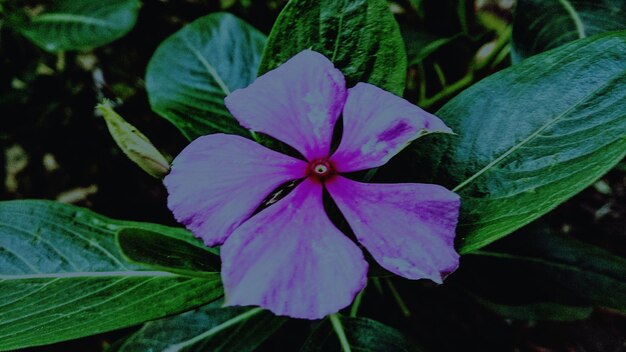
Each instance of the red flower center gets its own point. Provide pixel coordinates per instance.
(321, 169)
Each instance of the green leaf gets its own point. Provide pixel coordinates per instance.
(161, 251)
(360, 37)
(62, 276)
(538, 311)
(541, 25)
(558, 276)
(362, 334)
(81, 24)
(193, 70)
(210, 328)
(531, 136)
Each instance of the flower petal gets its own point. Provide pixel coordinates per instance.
(292, 260)
(408, 228)
(219, 180)
(297, 103)
(377, 125)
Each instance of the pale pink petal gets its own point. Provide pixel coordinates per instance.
(408, 228)
(377, 125)
(297, 103)
(218, 181)
(292, 260)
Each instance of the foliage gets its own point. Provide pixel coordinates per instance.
(528, 138)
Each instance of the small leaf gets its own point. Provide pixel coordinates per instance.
(362, 334)
(162, 252)
(134, 144)
(62, 276)
(539, 269)
(532, 136)
(211, 328)
(360, 37)
(81, 24)
(194, 69)
(542, 25)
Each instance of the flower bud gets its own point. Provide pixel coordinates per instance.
(134, 144)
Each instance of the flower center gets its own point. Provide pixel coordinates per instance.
(321, 168)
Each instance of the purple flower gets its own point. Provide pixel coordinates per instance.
(289, 257)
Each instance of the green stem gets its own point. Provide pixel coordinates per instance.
(356, 304)
(440, 75)
(341, 334)
(403, 307)
(503, 41)
(448, 91)
(462, 13)
(503, 54)
(60, 63)
(376, 282)
(497, 55)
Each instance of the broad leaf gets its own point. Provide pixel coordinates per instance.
(532, 136)
(210, 328)
(558, 276)
(194, 69)
(80, 24)
(541, 25)
(363, 335)
(360, 37)
(62, 276)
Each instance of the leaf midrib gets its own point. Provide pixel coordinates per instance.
(533, 135)
(87, 274)
(214, 330)
(207, 66)
(71, 18)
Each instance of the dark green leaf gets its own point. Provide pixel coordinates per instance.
(538, 269)
(194, 69)
(541, 25)
(162, 252)
(532, 136)
(210, 328)
(62, 276)
(537, 311)
(81, 24)
(360, 37)
(363, 335)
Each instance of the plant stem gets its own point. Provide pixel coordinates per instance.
(356, 304)
(60, 63)
(341, 334)
(448, 91)
(440, 75)
(403, 307)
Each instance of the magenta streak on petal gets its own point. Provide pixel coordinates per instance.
(217, 181)
(377, 125)
(297, 103)
(292, 260)
(408, 228)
